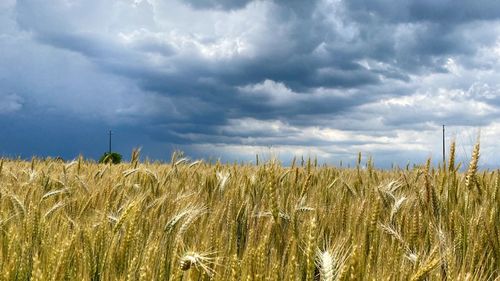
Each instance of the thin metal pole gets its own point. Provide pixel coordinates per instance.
(444, 155)
(110, 133)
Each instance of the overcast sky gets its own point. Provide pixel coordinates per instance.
(232, 78)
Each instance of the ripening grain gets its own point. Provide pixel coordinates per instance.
(198, 221)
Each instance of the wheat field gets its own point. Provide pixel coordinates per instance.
(188, 220)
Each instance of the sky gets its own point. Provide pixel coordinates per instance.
(228, 79)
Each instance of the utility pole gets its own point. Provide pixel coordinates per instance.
(110, 133)
(444, 156)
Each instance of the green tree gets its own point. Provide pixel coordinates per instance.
(112, 157)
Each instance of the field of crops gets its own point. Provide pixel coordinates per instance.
(196, 221)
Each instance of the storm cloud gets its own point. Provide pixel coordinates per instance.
(229, 79)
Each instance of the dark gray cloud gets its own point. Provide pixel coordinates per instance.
(445, 11)
(329, 75)
(298, 7)
(218, 4)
